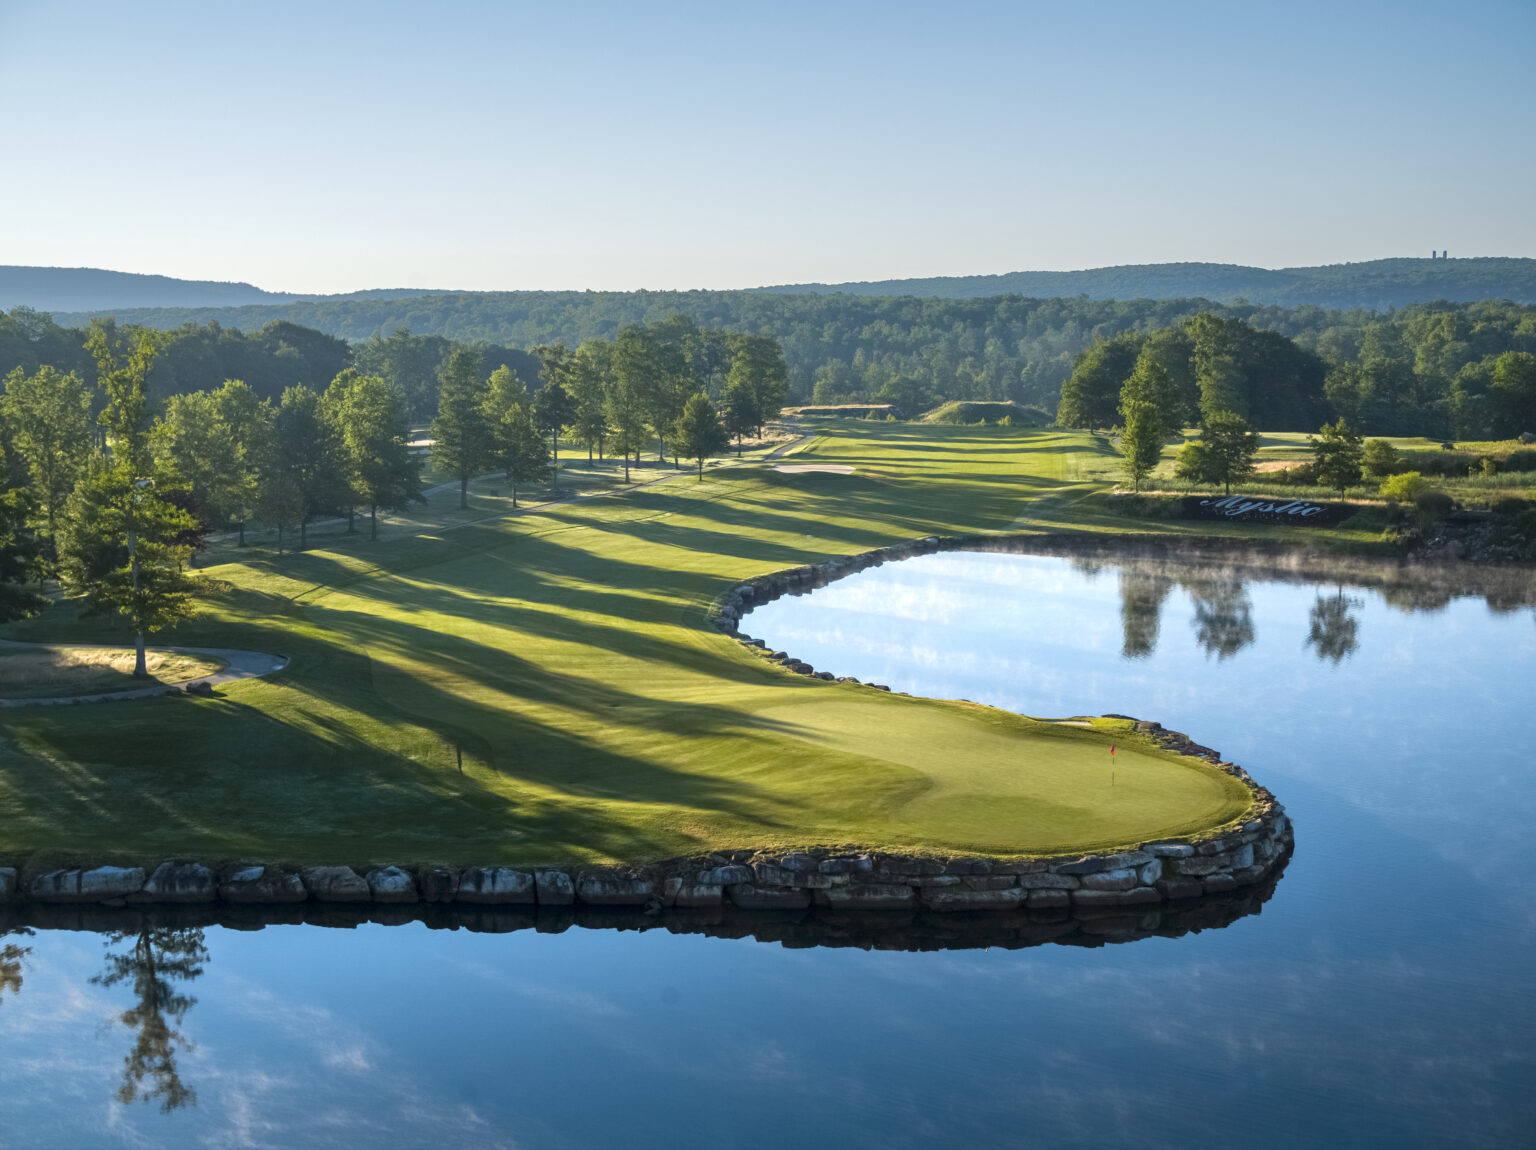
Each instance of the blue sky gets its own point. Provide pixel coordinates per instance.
(330, 147)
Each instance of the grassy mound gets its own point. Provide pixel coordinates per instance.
(972, 413)
(45, 672)
(547, 688)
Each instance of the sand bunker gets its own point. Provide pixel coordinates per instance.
(828, 468)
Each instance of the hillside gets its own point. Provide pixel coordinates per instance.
(1375, 285)
(78, 290)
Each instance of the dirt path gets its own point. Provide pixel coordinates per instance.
(240, 665)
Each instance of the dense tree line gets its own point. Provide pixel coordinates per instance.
(1462, 372)
(670, 387)
(112, 492)
(852, 349)
(112, 489)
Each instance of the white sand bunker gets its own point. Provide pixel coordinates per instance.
(802, 468)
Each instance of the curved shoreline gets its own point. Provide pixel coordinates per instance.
(1224, 860)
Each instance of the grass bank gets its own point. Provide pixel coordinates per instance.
(546, 688)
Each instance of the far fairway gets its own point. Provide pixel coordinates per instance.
(547, 688)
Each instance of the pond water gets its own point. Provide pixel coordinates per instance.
(1392, 1008)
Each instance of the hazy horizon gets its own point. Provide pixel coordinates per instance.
(519, 147)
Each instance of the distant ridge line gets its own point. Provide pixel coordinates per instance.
(1374, 285)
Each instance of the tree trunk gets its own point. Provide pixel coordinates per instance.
(514, 495)
(701, 471)
(373, 522)
(242, 533)
(140, 666)
(351, 520)
(463, 492)
(279, 540)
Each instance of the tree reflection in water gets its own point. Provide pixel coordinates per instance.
(157, 958)
(11, 955)
(1223, 615)
(1141, 604)
(1335, 631)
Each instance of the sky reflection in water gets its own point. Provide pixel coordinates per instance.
(1385, 1010)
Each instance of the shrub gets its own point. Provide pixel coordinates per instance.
(1519, 461)
(1404, 488)
(1489, 466)
(1432, 507)
(1437, 463)
(1381, 458)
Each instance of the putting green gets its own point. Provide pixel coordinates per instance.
(565, 659)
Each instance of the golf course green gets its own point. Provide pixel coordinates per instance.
(547, 688)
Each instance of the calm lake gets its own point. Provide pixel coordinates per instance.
(1394, 1009)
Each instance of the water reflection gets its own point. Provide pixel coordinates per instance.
(1223, 619)
(155, 959)
(1142, 596)
(1334, 629)
(11, 955)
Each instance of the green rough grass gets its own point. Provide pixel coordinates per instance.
(567, 654)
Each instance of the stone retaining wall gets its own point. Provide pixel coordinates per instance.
(909, 930)
(1156, 872)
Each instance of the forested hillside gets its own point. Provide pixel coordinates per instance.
(1376, 284)
(908, 351)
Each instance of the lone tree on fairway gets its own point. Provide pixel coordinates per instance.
(1148, 406)
(1223, 454)
(461, 441)
(371, 431)
(697, 434)
(119, 539)
(1339, 455)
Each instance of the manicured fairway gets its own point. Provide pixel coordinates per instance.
(566, 656)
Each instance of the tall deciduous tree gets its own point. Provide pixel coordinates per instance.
(757, 362)
(49, 416)
(637, 375)
(20, 549)
(591, 373)
(697, 434)
(1149, 405)
(1339, 455)
(1223, 454)
(553, 409)
(1091, 395)
(121, 540)
(1514, 393)
(371, 432)
(518, 447)
(740, 412)
(461, 440)
(248, 422)
(307, 457)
